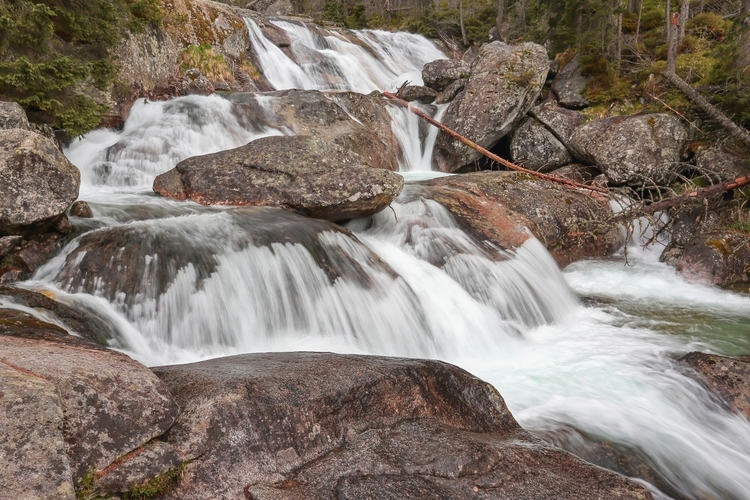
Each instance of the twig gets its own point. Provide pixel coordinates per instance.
(674, 111)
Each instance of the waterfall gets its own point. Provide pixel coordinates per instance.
(590, 350)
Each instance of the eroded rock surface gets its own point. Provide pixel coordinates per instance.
(503, 85)
(315, 425)
(499, 206)
(313, 176)
(632, 149)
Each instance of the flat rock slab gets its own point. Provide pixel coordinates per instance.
(313, 176)
(325, 426)
(112, 404)
(727, 377)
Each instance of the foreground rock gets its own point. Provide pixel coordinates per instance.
(91, 405)
(534, 147)
(727, 377)
(311, 425)
(313, 176)
(499, 206)
(718, 258)
(503, 85)
(634, 150)
(39, 183)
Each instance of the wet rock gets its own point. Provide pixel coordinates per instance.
(534, 147)
(631, 149)
(313, 176)
(8, 244)
(499, 206)
(717, 258)
(725, 376)
(137, 467)
(504, 83)
(75, 317)
(439, 74)
(12, 115)
(136, 263)
(35, 465)
(111, 404)
(81, 209)
(325, 426)
(451, 91)
(560, 121)
(278, 36)
(39, 183)
(418, 93)
(569, 85)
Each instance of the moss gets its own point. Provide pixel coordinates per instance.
(159, 485)
(212, 65)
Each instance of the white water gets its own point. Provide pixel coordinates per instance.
(606, 369)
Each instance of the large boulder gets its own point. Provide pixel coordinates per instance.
(311, 175)
(503, 206)
(504, 83)
(632, 149)
(720, 165)
(110, 404)
(727, 377)
(569, 85)
(534, 147)
(12, 115)
(438, 75)
(325, 426)
(356, 122)
(39, 183)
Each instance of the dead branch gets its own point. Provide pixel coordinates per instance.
(488, 154)
(682, 199)
(735, 130)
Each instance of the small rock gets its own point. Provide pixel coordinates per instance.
(439, 74)
(8, 244)
(717, 258)
(63, 225)
(534, 147)
(560, 121)
(81, 209)
(418, 93)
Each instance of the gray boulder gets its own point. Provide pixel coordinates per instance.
(720, 165)
(313, 176)
(418, 93)
(38, 182)
(439, 74)
(534, 147)
(451, 91)
(12, 115)
(569, 85)
(327, 426)
(504, 83)
(560, 121)
(631, 149)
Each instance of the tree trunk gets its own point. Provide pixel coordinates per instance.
(461, 20)
(672, 21)
(638, 25)
(684, 15)
(745, 8)
(734, 130)
(499, 19)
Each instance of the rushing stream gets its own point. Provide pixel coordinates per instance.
(589, 351)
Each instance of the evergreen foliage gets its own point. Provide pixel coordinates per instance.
(51, 51)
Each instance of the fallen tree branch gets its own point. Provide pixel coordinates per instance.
(660, 206)
(492, 156)
(735, 130)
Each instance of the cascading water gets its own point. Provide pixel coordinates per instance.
(210, 281)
